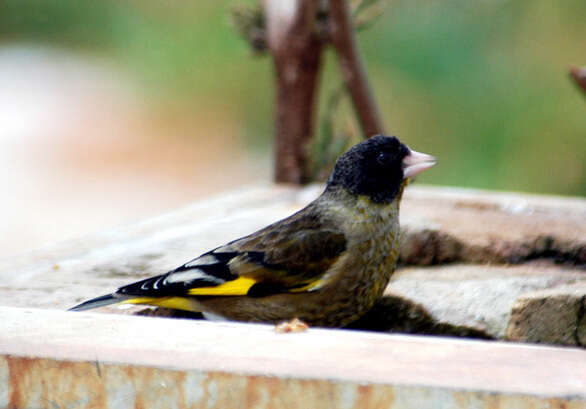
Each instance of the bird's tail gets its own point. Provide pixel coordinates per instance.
(97, 302)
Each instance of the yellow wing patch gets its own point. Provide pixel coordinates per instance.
(175, 303)
(240, 286)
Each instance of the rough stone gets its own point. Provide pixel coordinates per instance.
(552, 316)
(396, 314)
(478, 297)
(491, 227)
(423, 246)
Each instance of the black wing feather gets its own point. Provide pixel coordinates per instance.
(213, 273)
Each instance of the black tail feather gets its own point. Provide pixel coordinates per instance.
(97, 302)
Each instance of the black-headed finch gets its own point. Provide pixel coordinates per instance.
(326, 264)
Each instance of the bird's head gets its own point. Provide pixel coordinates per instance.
(377, 168)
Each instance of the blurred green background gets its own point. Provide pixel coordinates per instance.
(482, 85)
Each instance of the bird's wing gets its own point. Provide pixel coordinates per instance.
(289, 256)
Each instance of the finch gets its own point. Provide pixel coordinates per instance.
(326, 264)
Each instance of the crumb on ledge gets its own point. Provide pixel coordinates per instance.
(295, 325)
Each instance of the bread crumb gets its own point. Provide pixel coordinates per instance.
(295, 325)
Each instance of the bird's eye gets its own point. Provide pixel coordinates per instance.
(383, 158)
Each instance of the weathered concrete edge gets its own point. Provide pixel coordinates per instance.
(337, 356)
(43, 383)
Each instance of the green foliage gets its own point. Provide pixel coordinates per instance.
(483, 85)
(331, 139)
(249, 21)
(366, 12)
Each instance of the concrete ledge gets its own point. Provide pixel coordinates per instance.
(49, 359)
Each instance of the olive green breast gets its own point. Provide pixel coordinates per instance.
(360, 276)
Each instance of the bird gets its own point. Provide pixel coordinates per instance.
(324, 265)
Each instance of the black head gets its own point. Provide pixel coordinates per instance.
(373, 168)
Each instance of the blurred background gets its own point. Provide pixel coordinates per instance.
(113, 111)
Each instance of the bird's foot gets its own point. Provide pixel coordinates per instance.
(295, 325)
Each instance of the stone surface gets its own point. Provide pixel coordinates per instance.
(544, 237)
(490, 227)
(553, 316)
(478, 297)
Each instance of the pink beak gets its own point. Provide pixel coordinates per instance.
(416, 162)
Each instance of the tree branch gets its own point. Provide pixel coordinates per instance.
(296, 49)
(579, 76)
(344, 41)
